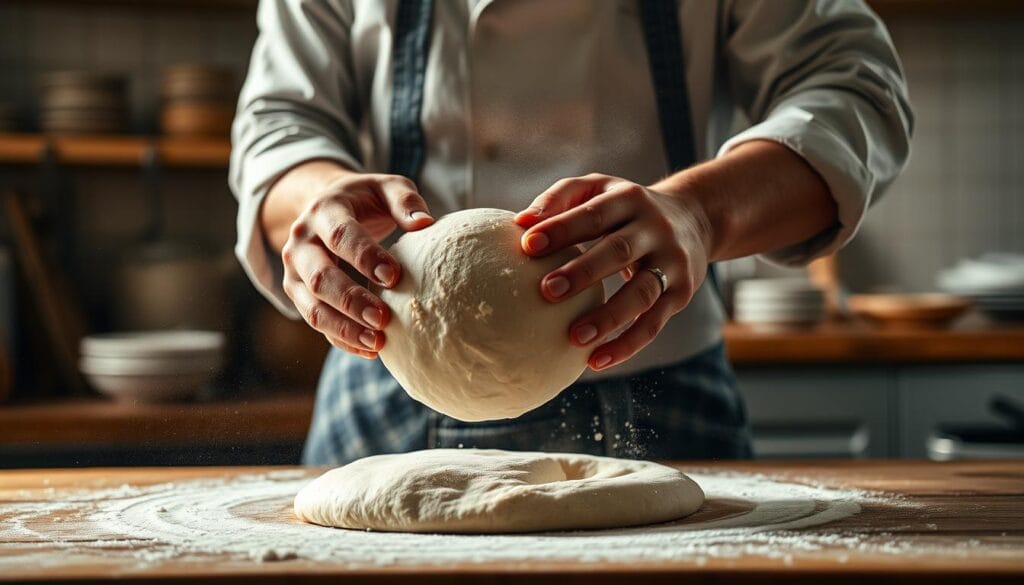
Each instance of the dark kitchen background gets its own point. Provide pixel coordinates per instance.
(120, 219)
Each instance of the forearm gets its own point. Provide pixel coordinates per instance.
(292, 193)
(758, 198)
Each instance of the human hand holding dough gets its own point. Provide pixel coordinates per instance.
(470, 334)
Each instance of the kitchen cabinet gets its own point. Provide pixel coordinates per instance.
(941, 395)
(871, 410)
(819, 411)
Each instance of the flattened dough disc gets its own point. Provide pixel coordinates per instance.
(492, 491)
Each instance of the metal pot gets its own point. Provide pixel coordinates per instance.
(170, 285)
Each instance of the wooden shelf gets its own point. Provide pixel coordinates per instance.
(862, 343)
(98, 422)
(112, 151)
(947, 8)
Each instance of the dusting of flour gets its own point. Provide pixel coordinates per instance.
(249, 518)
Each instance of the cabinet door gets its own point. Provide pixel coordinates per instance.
(930, 396)
(819, 411)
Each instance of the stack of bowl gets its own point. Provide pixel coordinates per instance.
(994, 282)
(198, 100)
(83, 102)
(152, 366)
(778, 301)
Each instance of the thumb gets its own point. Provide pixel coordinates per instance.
(405, 204)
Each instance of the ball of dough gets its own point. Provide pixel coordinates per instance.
(491, 491)
(470, 335)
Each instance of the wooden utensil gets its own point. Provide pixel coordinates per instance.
(824, 272)
(59, 313)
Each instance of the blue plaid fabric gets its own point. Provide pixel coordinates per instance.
(690, 410)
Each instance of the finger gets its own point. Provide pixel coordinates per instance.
(587, 221)
(406, 205)
(610, 255)
(564, 194)
(343, 236)
(359, 351)
(329, 321)
(329, 283)
(635, 298)
(640, 333)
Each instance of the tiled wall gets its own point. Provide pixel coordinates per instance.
(962, 194)
(43, 36)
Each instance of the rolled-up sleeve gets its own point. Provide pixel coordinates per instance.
(298, 103)
(823, 79)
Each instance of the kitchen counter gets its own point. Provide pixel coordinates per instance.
(284, 417)
(971, 340)
(97, 422)
(908, 521)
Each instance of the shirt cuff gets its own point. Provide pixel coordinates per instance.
(261, 264)
(828, 153)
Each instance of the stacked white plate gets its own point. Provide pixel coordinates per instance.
(778, 301)
(152, 366)
(995, 282)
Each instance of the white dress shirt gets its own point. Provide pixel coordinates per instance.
(521, 93)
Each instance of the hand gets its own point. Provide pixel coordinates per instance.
(336, 239)
(637, 228)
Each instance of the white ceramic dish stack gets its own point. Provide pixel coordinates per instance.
(995, 282)
(152, 366)
(778, 302)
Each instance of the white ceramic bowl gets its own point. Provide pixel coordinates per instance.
(120, 366)
(149, 389)
(148, 344)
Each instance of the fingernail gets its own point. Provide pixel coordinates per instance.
(368, 339)
(557, 286)
(417, 215)
(585, 333)
(384, 273)
(602, 361)
(373, 316)
(536, 242)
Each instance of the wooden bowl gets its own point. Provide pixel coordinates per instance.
(909, 310)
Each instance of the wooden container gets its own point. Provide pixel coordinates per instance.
(83, 102)
(192, 82)
(197, 118)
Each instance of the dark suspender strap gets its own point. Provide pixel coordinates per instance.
(660, 20)
(410, 46)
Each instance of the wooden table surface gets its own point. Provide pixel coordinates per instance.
(933, 522)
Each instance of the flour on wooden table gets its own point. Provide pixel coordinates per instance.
(249, 518)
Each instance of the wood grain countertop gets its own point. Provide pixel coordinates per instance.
(920, 522)
(854, 342)
(97, 422)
